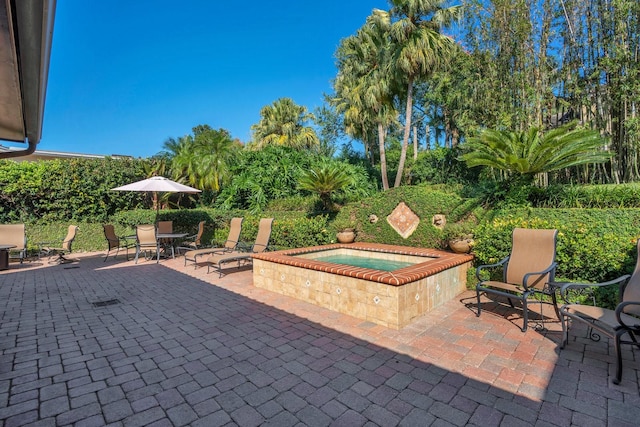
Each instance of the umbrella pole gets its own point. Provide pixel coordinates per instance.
(156, 200)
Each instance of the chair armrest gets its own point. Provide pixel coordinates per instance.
(578, 286)
(487, 266)
(525, 279)
(620, 309)
(243, 247)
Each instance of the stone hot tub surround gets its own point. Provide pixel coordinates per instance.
(392, 299)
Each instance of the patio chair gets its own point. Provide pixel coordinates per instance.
(115, 242)
(146, 241)
(193, 242)
(166, 244)
(14, 234)
(232, 242)
(61, 249)
(165, 227)
(526, 271)
(217, 260)
(614, 323)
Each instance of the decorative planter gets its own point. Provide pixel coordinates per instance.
(348, 235)
(461, 246)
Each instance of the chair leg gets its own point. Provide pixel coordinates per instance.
(525, 312)
(478, 297)
(565, 330)
(616, 346)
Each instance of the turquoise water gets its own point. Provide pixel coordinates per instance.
(358, 261)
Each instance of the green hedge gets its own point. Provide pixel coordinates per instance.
(290, 229)
(68, 190)
(425, 201)
(585, 196)
(594, 245)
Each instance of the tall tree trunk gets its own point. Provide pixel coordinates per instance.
(427, 135)
(383, 157)
(405, 138)
(415, 143)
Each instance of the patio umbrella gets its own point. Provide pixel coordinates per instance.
(157, 184)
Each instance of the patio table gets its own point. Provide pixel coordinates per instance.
(171, 238)
(4, 256)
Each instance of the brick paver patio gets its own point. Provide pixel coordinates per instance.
(182, 347)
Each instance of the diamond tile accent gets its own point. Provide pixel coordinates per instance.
(403, 220)
(307, 283)
(282, 277)
(417, 297)
(338, 291)
(376, 299)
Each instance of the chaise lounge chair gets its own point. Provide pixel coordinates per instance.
(230, 244)
(616, 323)
(218, 260)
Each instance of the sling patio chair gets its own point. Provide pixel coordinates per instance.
(613, 323)
(526, 271)
(60, 249)
(146, 241)
(217, 260)
(14, 234)
(231, 244)
(193, 242)
(116, 242)
(164, 227)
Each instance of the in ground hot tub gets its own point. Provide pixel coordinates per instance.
(427, 279)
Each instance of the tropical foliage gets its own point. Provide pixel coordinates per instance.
(380, 65)
(284, 123)
(531, 152)
(325, 179)
(202, 159)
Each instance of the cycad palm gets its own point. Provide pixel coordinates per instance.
(284, 123)
(531, 152)
(324, 179)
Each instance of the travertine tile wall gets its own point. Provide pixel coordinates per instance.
(387, 305)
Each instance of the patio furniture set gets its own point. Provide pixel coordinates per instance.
(13, 244)
(529, 270)
(161, 240)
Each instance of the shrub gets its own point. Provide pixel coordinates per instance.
(425, 201)
(593, 245)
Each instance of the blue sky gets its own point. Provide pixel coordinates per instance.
(126, 75)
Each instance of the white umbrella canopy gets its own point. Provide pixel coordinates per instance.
(157, 184)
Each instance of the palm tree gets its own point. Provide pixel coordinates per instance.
(201, 160)
(363, 86)
(325, 179)
(530, 152)
(420, 48)
(284, 123)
